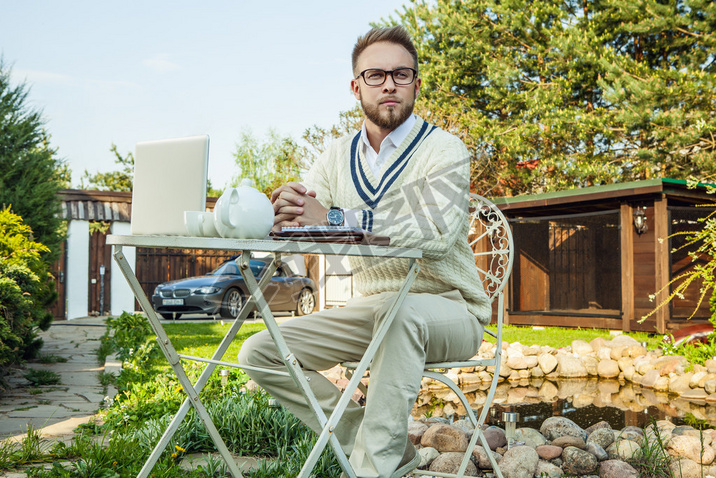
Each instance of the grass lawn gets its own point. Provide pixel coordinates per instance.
(201, 339)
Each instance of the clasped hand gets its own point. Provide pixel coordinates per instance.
(294, 206)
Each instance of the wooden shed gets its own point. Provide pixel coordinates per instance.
(592, 257)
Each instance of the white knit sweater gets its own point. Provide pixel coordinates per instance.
(420, 201)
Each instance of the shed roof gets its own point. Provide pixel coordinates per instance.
(607, 196)
(86, 205)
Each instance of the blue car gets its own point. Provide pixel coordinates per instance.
(223, 292)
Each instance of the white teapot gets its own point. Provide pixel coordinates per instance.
(243, 213)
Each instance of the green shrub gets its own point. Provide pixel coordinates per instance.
(26, 291)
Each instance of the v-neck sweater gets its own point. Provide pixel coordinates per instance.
(420, 201)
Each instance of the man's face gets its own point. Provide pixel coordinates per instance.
(388, 105)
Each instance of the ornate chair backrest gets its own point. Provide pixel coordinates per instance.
(490, 238)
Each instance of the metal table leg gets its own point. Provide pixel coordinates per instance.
(332, 422)
(173, 358)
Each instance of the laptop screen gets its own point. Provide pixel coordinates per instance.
(169, 178)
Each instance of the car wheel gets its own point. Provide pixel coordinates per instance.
(306, 302)
(170, 316)
(231, 304)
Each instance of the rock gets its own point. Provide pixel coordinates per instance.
(519, 462)
(668, 365)
(662, 384)
(555, 427)
(625, 363)
(444, 438)
(634, 351)
(495, 437)
(450, 463)
(696, 377)
(608, 369)
(547, 362)
(604, 352)
(631, 433)
(578, 462)
(439, 420)
(531, 361)
(603, 424)
(568, 440)
(517, 362)
(548, 452)
(530, 437)
(685, 468)
(624, 449)
(617, 469)
(547, 470)
(690, 447)
(581, 347)
(649, 379)
(416, 430)
(643, 364)
(483, 462)
(624, 340)
(597, 451)
(617, 351)
(680, 383)
(695, 394)
(427, 455)
(602, 437)
(710, 386)
(464, 425)
(569, 366)
(590, 363)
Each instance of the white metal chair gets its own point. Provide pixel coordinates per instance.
(490, 237)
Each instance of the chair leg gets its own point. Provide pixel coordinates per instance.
(477, 423)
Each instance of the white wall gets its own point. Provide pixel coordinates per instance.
(122, 297)
(77, 284)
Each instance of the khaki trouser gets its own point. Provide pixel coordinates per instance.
(427, 328)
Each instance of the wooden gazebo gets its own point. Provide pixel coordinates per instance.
(592, 257)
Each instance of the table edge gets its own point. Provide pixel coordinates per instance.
(262, 245)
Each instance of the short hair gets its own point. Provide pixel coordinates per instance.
(397, 35)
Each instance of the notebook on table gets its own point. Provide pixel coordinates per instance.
(336, 234)
(169, 178)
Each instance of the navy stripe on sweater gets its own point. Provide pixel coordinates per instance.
(370, 197)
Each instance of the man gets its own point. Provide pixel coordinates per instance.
(403, 178)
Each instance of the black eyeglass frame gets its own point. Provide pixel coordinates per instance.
(386, 73)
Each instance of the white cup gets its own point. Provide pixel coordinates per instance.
(193, 222)
(207, 224)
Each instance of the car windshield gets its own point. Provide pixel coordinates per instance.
(230, 268)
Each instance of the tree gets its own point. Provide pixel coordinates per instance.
(114, 180)
(271, 163)
(24, 291)
(551, 95)
(30, 173)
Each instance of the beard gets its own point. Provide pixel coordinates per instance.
(391, 118)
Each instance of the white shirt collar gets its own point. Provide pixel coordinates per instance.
(396, 137)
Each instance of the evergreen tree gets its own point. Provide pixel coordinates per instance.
(30, 173)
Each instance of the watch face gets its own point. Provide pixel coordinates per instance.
(335, 217)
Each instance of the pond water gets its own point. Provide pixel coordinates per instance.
(584, 401)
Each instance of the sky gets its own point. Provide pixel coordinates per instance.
(110, 72)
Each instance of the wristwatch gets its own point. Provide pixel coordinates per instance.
(335, 216)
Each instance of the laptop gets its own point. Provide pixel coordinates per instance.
(169, 178)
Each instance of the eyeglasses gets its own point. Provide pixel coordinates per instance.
(376, 77)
